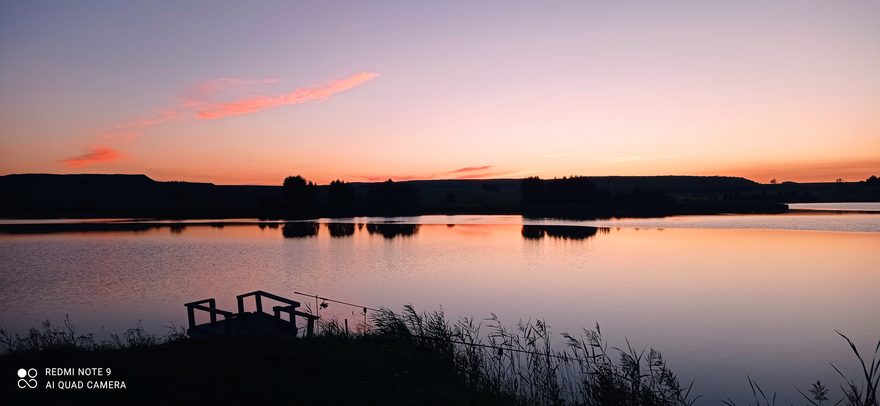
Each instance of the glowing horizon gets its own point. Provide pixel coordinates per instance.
(784, 91)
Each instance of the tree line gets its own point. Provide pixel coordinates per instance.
(301, 198)
(581, 192)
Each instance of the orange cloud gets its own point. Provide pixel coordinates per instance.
(200, 102)
(484, 175)
(468, 172)
(469, 169)
(93, 156)
(302, 95)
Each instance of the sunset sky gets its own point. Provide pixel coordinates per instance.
(246, 93)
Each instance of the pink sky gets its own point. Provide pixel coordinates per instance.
(249, 95)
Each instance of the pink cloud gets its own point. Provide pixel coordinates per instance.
(94, 155)
(131, 129)
(469, 169)
(211, 111)
(213, 86)
(200, 101)
(215, 91)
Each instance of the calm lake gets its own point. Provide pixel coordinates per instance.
(722, 297)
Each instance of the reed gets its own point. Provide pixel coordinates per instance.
(497, 364)
(524, 363)
(50, 337)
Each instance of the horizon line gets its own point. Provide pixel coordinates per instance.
(415, 180)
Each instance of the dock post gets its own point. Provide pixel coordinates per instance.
(191, 316)
(213, 306)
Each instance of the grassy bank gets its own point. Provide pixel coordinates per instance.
(402, 358)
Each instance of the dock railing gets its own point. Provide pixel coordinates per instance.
(212, 310)
(290, 309)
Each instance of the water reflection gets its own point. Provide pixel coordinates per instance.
(340, 230)
(536, 232)
(134, 227)
(691, 292)
(390, 231)
(300, 229)
(52, 228)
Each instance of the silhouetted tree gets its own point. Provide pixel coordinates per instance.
(873, 180)
(773, 181)
(575, 190)
(532, 189)
(299, 197)
(393, 198)
(341, 199)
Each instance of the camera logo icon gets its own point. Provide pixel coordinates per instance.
(27, 378)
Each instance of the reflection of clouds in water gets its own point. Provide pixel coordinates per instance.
(537, 232)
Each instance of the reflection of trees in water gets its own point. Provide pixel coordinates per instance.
(393, 230)
(537, 232)
(339, 230)
(177, 228)
(273, 226)
(299, 230)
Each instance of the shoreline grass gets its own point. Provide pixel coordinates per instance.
(409, 357)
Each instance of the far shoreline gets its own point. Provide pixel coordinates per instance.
(47, 196)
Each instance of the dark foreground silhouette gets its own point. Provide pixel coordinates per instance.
(400, 358)
(242, 370)
(114, 196)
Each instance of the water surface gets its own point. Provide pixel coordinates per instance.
(857, 206)
(722, 296)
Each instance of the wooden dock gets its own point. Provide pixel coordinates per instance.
(256, 323)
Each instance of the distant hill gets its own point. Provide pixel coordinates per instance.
(42, 195)
(95, 196)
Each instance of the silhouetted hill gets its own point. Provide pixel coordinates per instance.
(83, 196)
(41, 195)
